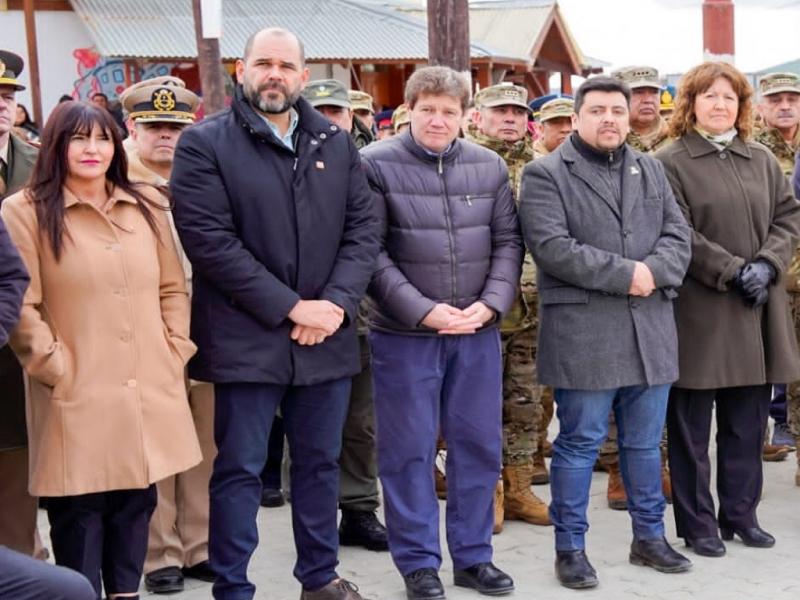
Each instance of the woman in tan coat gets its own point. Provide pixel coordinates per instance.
(103, 337)
(735, 335)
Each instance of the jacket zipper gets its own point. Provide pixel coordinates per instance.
(449, 235)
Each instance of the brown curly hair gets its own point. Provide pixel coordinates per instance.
(698, 80)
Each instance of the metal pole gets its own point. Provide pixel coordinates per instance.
(718, 31)
(33, 61)
(209, 63)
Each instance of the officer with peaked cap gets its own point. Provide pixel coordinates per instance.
(332, 99)
(158, 110)
(17, 507)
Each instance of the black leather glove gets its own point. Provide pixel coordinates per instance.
(756, 276)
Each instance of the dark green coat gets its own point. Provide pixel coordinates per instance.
(21, 158)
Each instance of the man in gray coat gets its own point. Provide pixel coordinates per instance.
(611, 244)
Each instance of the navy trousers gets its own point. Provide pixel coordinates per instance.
(25, 578)
(424, 384)
(313, 418)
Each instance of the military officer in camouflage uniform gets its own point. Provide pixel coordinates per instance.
(400, 119)
(780, 111)
(501, 125)
(332, 99)
(556, 125)
(358, 470)
(363, 108)
(648, 132)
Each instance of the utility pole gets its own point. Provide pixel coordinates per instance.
(718, 32)
(207, 28)
(33, 61)
(448, 34)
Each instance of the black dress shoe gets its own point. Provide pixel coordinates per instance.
(574, 570)
(485, 578)
(424, 584)
(362, 528)
(201, 571)
(707, 546)
(751, 536)
(168, 580)
(659, 555)
(272, 498)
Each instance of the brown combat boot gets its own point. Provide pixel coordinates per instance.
(521, 503)
(772, 453)
(499, 508)
(666, 482)
(617, 498)
(540, 473)
(440, 482)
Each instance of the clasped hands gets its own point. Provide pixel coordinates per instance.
(642, 283)
(449, 320)
(315, 320)
(753, 280)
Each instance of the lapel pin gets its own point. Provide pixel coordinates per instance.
(320, 165)
(634, 171)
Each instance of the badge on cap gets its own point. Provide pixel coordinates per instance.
(164, 99)
(322, 92)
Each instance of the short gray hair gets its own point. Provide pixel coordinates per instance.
(438, 81)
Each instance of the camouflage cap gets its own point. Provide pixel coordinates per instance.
(775, 83)
(327, 92)
(638, 77)
(502, 94)
(11, 66)
(400, 117)
(160, 100)
(361, 101)
(558, 108)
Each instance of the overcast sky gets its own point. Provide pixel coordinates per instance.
(668, 34)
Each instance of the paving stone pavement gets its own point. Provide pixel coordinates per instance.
(526, 552)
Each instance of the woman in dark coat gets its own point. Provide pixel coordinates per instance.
(734, 328)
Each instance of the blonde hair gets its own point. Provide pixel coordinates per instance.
(696, 81)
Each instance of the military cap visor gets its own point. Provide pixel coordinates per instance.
(161, 104)
(11, 66)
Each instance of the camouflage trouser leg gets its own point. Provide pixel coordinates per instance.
(548, 409)
(522, 402)
(793, 389)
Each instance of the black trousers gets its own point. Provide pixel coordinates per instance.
(103, 536)
(741, 419)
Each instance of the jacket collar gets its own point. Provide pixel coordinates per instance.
(116, 195)
(697, 145)
(310, 121)
(418, 151)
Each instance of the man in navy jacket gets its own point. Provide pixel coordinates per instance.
(273, 211)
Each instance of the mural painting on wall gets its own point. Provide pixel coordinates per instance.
(107, 75)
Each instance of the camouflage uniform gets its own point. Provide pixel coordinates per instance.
(539, 150)
(522, 398)
(652, 142)
(785, 152)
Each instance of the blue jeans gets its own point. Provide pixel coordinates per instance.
(424, 385)
(313, 418)
(583, 419)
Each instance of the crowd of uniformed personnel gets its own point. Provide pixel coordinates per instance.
(174, 537)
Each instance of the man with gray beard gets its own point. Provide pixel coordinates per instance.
(273, 211)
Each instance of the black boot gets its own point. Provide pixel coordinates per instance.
(485, 578)
(574, 570)
(706, 546)
(424, 584)
(362, 528)
(751, 536)
(659, 555)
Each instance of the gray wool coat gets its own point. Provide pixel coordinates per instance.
(592, 334)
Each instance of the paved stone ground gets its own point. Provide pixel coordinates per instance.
(526, 552)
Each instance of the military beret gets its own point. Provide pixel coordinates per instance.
(502, 94)
(400, 117)
(327, 92)
(775, 83)
(11, 66)
(160, 100)
(557, 108)
(361, 100)
(638, 77)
